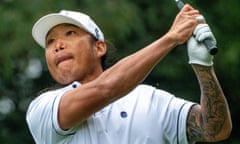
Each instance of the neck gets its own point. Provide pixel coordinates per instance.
(91, 76)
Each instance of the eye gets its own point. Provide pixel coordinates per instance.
(50, 41)
(70, 33)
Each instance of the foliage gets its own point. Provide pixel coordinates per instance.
(130, 25)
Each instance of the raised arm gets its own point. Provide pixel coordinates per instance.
(78, 104)
(210, 121)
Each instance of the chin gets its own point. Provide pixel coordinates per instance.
(65, 81)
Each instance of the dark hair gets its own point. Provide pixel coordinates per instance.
(110, 57)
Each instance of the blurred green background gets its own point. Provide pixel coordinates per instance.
(130, 25)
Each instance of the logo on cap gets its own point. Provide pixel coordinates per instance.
(97, 33)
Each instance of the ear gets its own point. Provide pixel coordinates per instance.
(101, 48)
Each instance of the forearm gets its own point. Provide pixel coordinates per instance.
(214, 120)
(130, 71)
(138, 65)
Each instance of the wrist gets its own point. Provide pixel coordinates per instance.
(171, 38)
(201, 66)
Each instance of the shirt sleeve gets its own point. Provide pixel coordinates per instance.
(165, 115)
(182, 123)
(42, 116)
(177, 114)
(55, 111)
(174, 111)
(55, 118)
(39, 117)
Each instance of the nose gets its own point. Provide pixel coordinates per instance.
(60, 45)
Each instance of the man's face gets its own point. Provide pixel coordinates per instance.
(71, 54)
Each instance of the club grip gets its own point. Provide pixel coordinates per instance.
(212, 48)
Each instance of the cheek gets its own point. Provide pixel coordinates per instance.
(85, 58)
(48, 59)
(50, 63)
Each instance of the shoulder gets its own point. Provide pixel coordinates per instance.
(46, 99)
(165, 101)
(147, 94)
(51, 93)
(42, 112)
(42, 104)
(144, 89)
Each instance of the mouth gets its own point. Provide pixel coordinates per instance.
(62, 58)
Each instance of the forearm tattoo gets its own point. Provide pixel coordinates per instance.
(206, 121)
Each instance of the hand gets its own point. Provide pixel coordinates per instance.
(183, 25)
(198, 53)
(202, 31)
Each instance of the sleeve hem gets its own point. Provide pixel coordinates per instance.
(182, 123)
(55, 107)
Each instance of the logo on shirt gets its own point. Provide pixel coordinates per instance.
(123, 114)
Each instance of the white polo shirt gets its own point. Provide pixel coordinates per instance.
(144, 116)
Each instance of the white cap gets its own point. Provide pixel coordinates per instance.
(46, 23)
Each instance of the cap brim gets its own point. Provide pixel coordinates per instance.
(43, 25)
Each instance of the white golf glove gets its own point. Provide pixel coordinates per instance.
(197, 51)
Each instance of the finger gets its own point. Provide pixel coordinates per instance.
(192, 12)
(187, 7)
